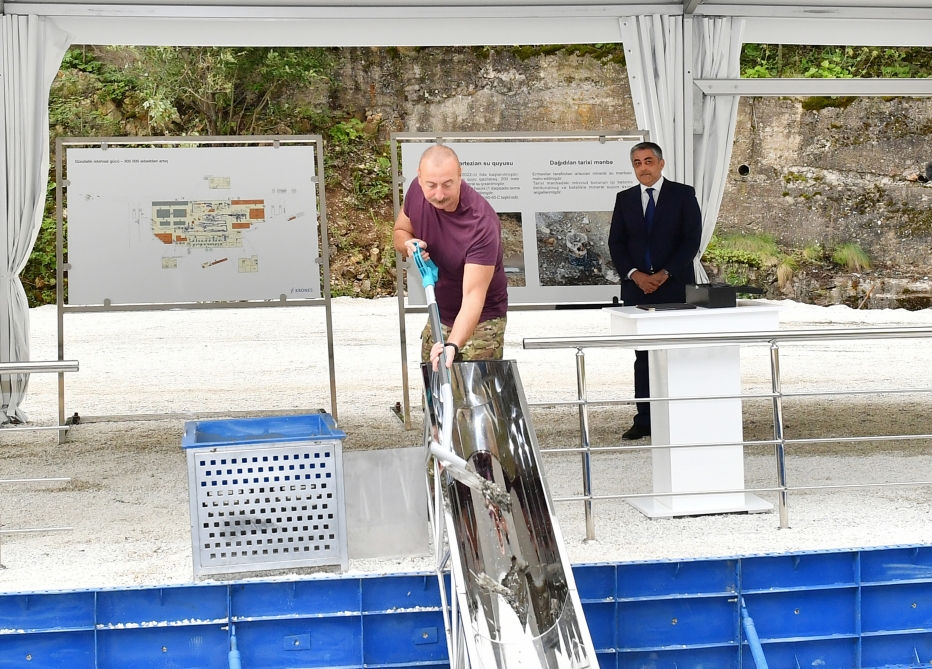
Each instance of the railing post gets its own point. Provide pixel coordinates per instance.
(780, 446)
(584, 441)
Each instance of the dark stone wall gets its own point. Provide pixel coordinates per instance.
(836, 174)
(447, 89)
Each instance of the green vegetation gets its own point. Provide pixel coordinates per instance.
(762, 247)
(227, 91)
(835, 62)
(354, 145)
(358, 166)
(722, 251)
(786, 269)
(813, 252)
(851, 257)
(189, 91)
(738, 255)
(345, 132)
(761, 251)
(758, 258)
(39, 276)
(818, 103)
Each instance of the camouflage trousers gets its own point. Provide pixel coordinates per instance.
(487, 341)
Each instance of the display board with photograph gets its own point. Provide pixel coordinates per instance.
(192, 224)
(554, 196)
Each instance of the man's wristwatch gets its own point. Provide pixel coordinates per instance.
(456, 349)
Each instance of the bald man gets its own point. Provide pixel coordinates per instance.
(456, 228)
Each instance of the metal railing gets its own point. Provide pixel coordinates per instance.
(779, 442)
(32, 530)
(60, 367)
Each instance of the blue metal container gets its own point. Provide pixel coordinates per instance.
(272, 429)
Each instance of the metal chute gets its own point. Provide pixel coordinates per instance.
(513, 598)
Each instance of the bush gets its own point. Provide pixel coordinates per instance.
(851, 257)
(814, 252)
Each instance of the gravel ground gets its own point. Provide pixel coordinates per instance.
(128, 501)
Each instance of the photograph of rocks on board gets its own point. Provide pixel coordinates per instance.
(572, 248)
(513, 248)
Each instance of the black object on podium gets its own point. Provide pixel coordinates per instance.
(711, 295)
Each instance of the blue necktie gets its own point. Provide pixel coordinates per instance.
(649, 219)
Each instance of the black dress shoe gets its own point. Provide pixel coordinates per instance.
(636, 432)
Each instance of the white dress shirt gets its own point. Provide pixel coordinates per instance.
(657, 186)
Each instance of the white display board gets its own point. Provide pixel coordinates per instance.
(192, 224)
(555, 201)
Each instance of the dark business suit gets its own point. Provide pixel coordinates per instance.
(673, 242)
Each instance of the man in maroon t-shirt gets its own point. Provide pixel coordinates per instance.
(457, 229)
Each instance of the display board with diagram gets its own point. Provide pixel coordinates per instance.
(160, 223)
(174, 224)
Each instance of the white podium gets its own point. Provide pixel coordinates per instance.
(694, 371)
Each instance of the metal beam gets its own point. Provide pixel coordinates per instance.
(817, 11)
(689, 6)
(897, 28)
(280, 32)
(810, 87)
(399, 10)
(38, 366)
(260, 9)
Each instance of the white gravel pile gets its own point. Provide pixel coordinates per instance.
(128, 500)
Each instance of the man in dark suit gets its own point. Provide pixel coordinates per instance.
(655, 235)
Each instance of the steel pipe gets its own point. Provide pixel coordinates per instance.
(784, 336)
(761, 442)
(584, 441)
(800, 488)
(39, 366)
(748, 396)
(34, 530)
(780, 447)
(37, 428)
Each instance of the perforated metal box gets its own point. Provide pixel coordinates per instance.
(266, 493)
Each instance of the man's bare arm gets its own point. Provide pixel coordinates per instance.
(476, 281)
(402, 233)
(403, 237)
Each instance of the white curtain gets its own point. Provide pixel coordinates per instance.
(654, 56)
(32, 50)
(716, 55)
